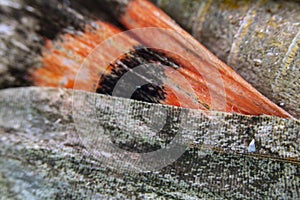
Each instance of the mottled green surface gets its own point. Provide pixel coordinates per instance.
(259, 39)
(43, 153)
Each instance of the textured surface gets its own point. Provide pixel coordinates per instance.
(62, 57)
(48, 149)
(44, 154)
(25, 28)
(259, 39)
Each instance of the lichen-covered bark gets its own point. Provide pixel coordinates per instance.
(259, 39)
(44, 154)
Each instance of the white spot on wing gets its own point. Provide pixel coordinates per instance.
(251, 147)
